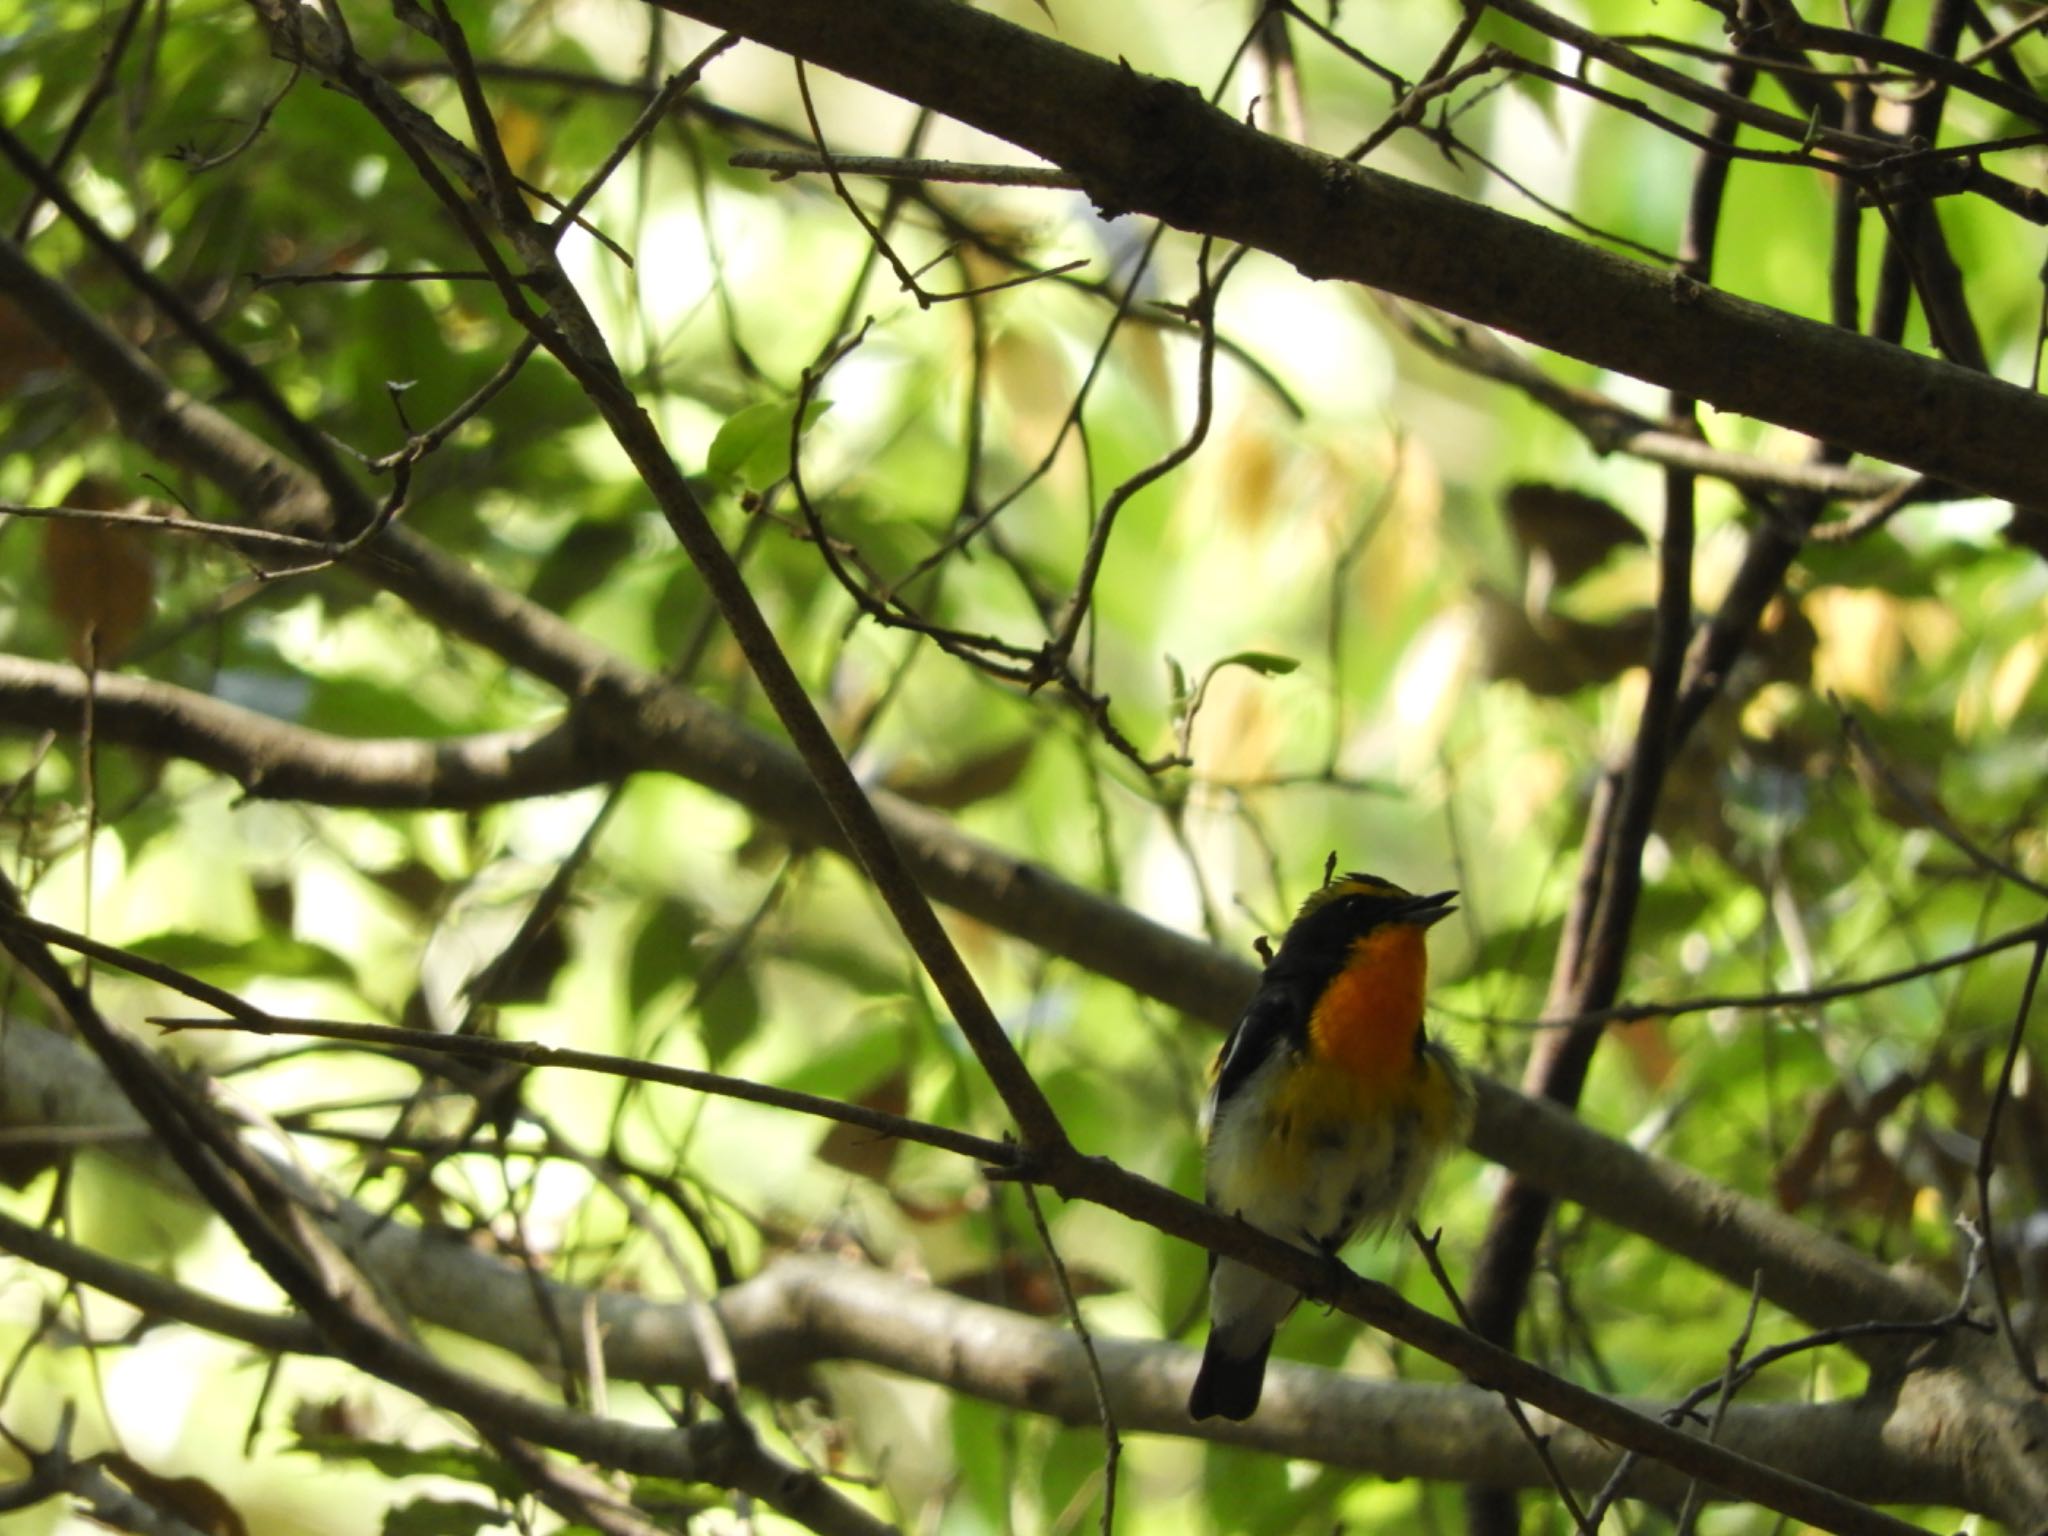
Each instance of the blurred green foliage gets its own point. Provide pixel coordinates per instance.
(1340, 538)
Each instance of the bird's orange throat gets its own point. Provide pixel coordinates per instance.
(1366, 1019)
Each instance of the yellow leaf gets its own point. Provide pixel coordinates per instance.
(524, 137)
(1861, 642)
(102, 582)
(2013, 679)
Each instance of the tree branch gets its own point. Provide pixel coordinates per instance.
(1808, 1273)
(803, 1311)
(46, 1080)
(1145, 145)
(267, 1211)
(275, 761)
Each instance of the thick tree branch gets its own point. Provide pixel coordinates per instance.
(803, 1312)
(985, 1350)
(276, 761)
(1808, 1273)
(570, 334)
(629, 712)
(258, 1202)
(1611, 427)
(640, 709)
(1145, 145)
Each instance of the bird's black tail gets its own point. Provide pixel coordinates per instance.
(1227, 1386)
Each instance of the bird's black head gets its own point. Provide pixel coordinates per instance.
(1348, 908)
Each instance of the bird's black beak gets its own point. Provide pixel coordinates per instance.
(1426, 911)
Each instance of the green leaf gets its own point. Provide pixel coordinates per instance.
(753, 445)
(669, 1498)
(667, 951)
(1073, 1463)
(838, 1067)
(589, 553)
(849, 962)
(1245, 1489)
(1884, 564)
(1265, 663)
(454, 1461)
(362, 706)
(981, 1494)
(272, 954)
(728, 1014)
(1519, 39)
(662, 954)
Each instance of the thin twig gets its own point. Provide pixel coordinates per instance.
(532, 1053)
(1927, 810)
(313, 449)
(1112, 1442)
(161, 522)
(1803, 997)
(1540, 1444)
(199, 164)
(795, 162)
(261, 280)
(1878, 511)
(89, 103)
(1688, 1513)
(1202, 308)
(876, 238)
(1958, 1316)
(244, 1017)
(1987, 1146)
(662, 103)
(420, 444)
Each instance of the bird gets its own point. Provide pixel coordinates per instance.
(1329, 1107)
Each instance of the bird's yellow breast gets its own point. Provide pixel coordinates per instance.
(1315, 1151)
(1337, 1129)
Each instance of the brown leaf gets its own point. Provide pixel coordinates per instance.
(966, 782)
(1648, 1044)
(864, 1152)
(24, 1161)
(24, 350)
(340, 1418)
(1027, 1286)
(194, 1500)
(102, 580)
(1551, 653)
(1574, 532)
(1837, 1161)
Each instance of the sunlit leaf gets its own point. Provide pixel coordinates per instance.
(753, 445)
(1265, 663)
(454, 1461)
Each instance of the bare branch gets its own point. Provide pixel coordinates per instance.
(792, 162)
(1099, 1181)
(1152, 146)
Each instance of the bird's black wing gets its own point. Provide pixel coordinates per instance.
(1275, 1019)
